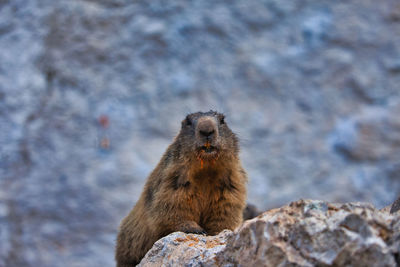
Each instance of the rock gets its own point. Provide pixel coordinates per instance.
(189, 249)
(395, 206)
(303, 233)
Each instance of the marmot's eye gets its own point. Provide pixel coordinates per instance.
(222, 120)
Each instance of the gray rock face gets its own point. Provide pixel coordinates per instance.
(304, 233)
(395, 206)
(186, 249)
(92, 92)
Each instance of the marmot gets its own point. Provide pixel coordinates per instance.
(199, 186)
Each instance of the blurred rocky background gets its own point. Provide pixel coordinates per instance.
(92, 92)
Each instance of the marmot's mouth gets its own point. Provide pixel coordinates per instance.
(207, 152)
(208, 149)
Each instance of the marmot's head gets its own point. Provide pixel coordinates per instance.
(207, 136)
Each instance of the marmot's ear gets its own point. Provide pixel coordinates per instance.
(222, 119)
(187, 121)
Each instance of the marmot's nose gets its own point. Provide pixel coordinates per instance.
(206, 128)
(207, 133)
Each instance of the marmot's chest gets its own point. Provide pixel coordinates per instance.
(204, 197)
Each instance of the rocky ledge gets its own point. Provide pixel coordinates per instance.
(304, 233)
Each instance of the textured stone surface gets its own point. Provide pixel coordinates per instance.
(304, 233)
(92, 92)
(192, 250)
(395, 206)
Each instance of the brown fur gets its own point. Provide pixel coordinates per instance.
(199, 186)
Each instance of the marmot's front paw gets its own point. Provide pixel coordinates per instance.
(196, 231)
